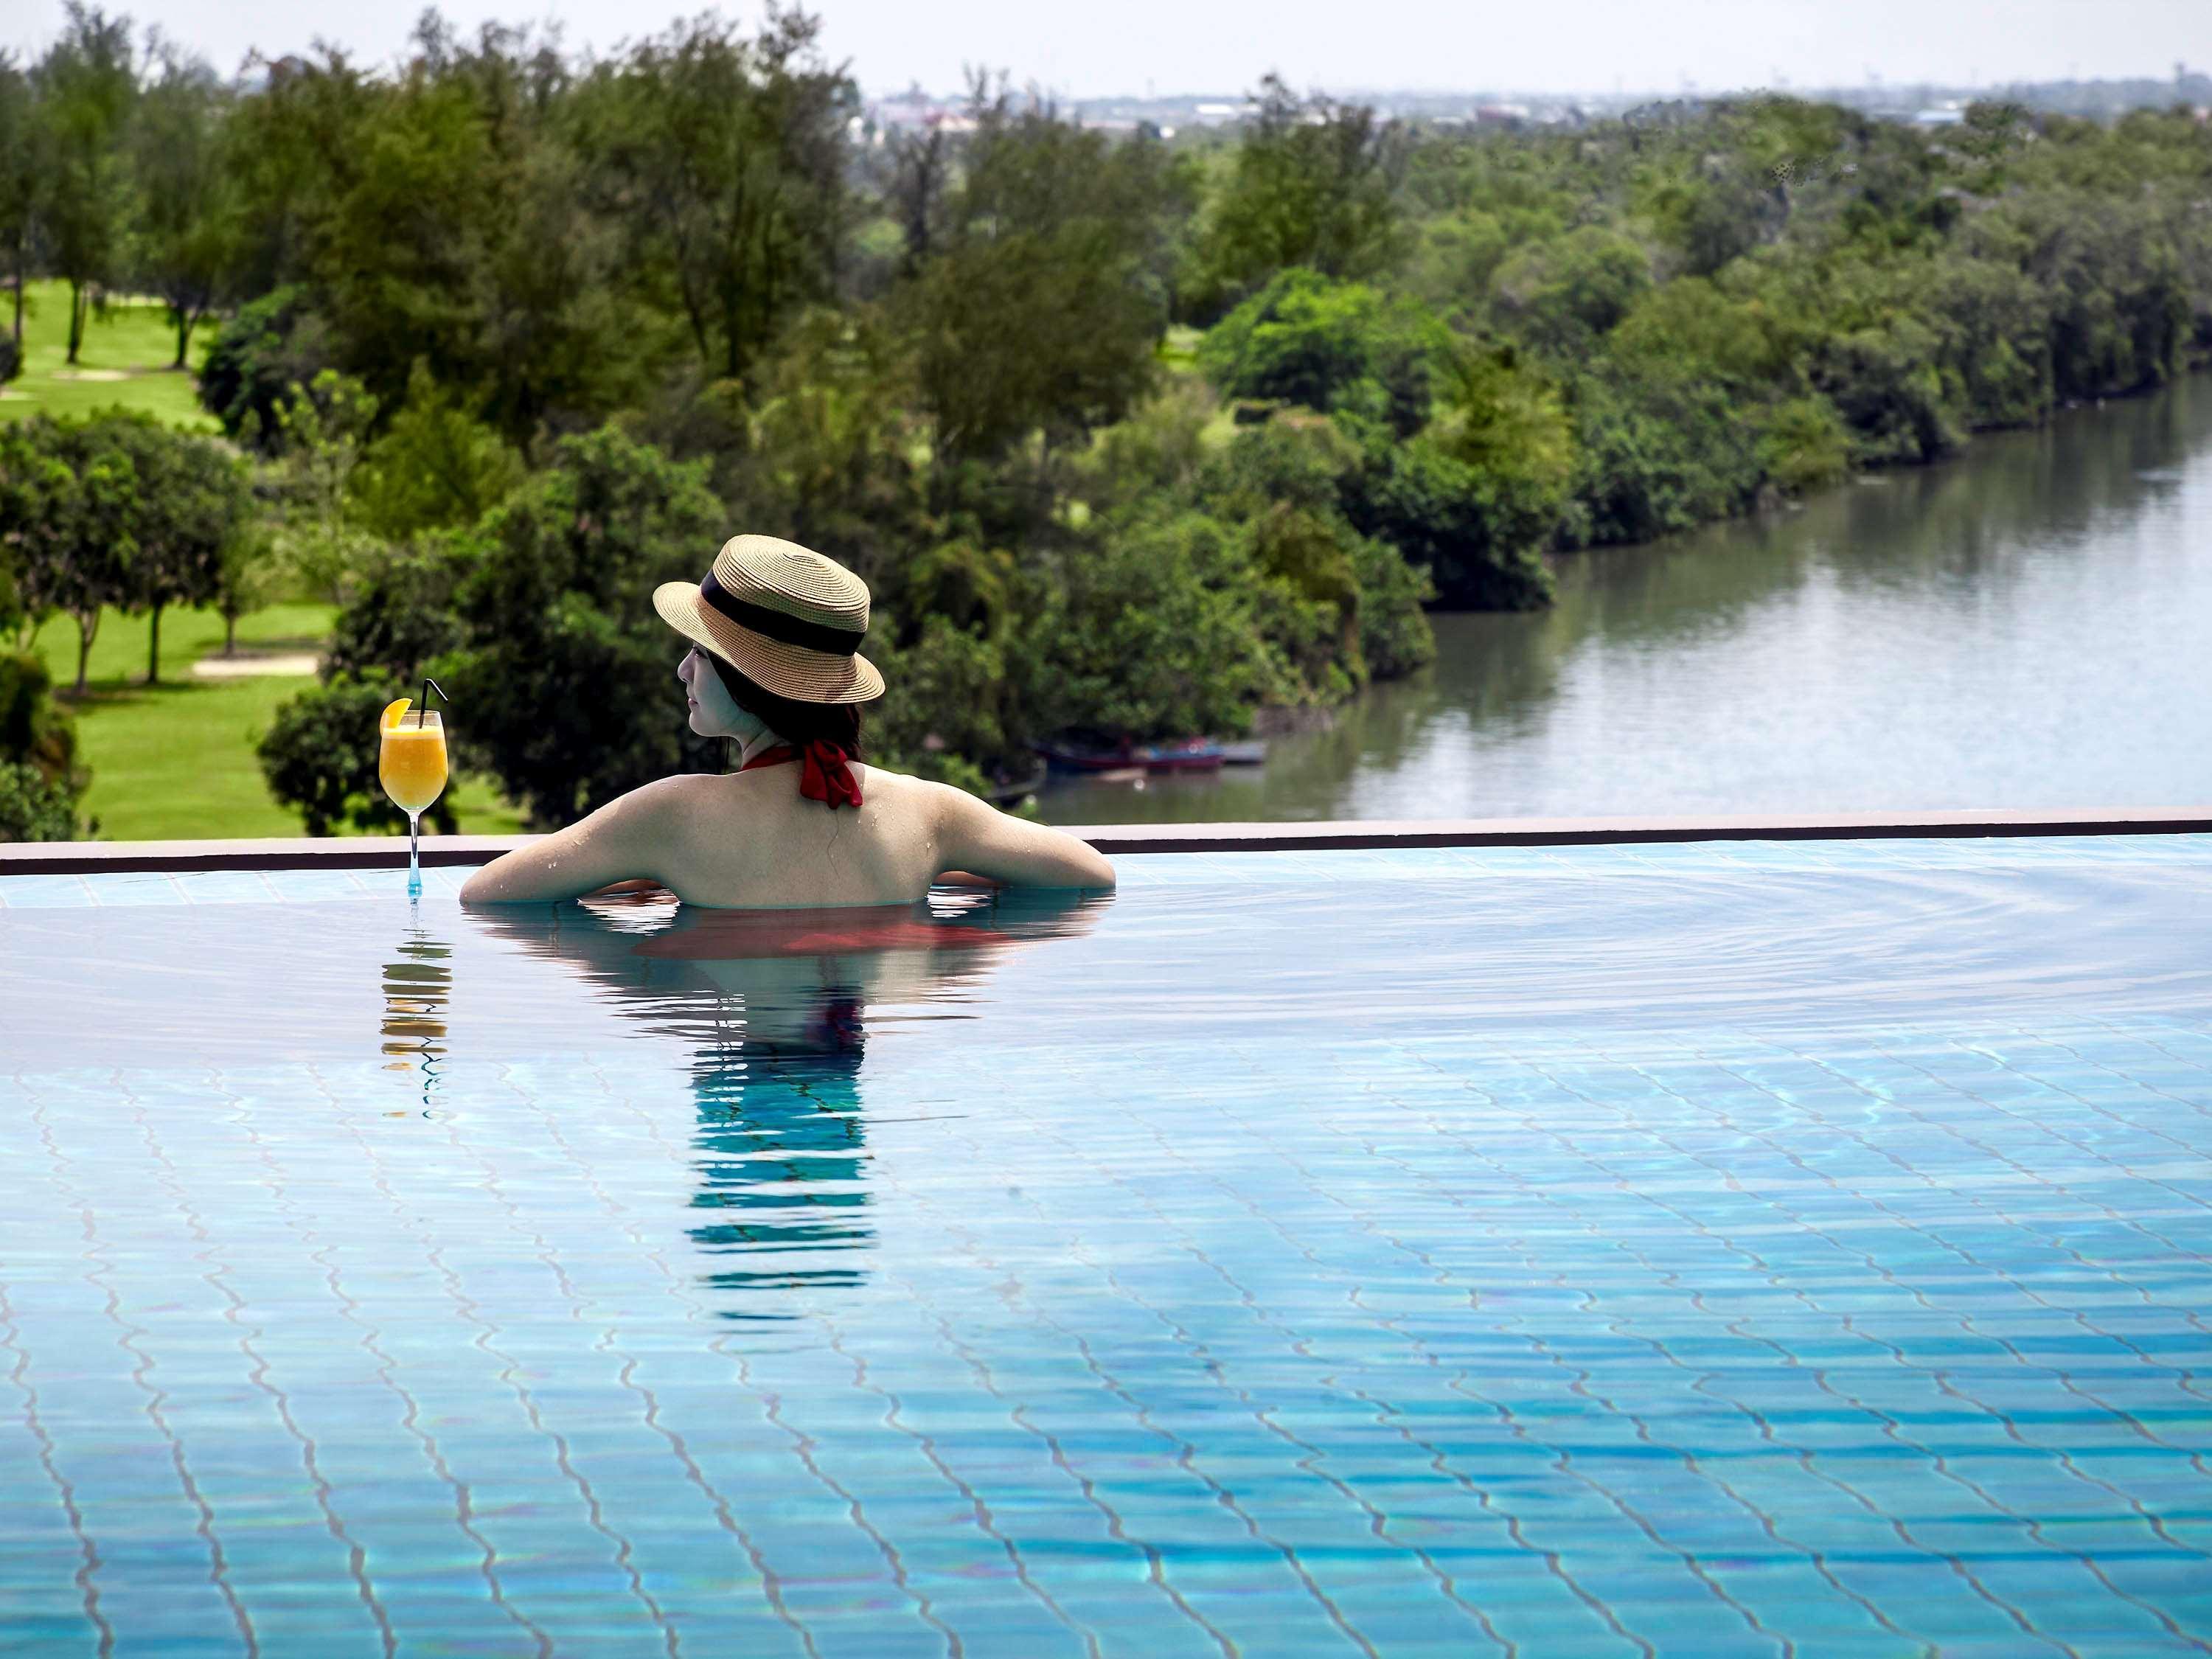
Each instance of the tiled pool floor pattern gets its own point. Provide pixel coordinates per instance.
(1353, 1323)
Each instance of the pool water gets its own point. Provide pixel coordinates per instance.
(1721, 1250)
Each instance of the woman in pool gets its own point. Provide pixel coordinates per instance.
(775, 664)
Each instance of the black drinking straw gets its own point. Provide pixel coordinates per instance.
(423, 712)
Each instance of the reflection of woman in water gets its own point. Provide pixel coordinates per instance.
(775, 631)
(775, 1007)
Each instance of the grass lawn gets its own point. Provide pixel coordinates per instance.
(176, 759)
(125, 360)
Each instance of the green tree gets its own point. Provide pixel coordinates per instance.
(20, 169)
(457, 230)
(191, 506)
(2119, 295)
(1150, 633)
(565, 671)
(87, 86)
(1451, 261)
(271, 347)
(948, 692)
(292, 147)
(1564, 291)
(319, 534)
(1802, 445)
(250, 575)
(1313, 183)
(401, 614)
(1477, 498)
(69, 512)
(1656, 452)
(1307, 340)
(1039, 311)
(185, 237)
(724, 160)
(830, 438)
(435, 466)
(1322, 594)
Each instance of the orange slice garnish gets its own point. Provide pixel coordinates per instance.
(393, 711)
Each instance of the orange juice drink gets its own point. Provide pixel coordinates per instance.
(412, 764)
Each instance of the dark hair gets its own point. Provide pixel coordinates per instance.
(795, 722)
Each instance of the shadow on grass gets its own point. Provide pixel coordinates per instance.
(132, 690)
(266, 645)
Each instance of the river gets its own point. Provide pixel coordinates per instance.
(2026, 625)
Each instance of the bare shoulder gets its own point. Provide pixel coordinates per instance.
(950, 813)
(914, 800)
(622, 840)
(974, 835)
(678, 790)
(663, 802)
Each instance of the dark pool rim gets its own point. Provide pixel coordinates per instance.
(384, 852)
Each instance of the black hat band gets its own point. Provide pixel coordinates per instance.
(777, 624)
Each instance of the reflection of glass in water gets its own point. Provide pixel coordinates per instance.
(416, 989)
(776, 1007)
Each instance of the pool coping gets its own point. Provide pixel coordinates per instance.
(381, 852)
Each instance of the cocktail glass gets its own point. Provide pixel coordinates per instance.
(411, 765)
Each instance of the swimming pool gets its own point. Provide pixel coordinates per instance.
(1707, 1250)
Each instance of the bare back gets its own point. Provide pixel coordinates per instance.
(750, 840)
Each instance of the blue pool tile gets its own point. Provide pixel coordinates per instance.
(1271, 1265)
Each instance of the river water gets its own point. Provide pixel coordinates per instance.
(2029, 625)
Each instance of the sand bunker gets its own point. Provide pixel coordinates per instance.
(242, 667)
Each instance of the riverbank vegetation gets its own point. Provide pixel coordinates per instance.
(1131, 436)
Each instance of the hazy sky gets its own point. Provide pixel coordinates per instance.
(1180, 45)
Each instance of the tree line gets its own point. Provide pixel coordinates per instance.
(1130, 435)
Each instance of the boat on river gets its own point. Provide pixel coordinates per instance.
(1177, 755)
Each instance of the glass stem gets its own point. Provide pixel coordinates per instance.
(414, 855)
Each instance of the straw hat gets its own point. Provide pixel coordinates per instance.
(788, 618)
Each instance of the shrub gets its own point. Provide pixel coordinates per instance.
(1477, 546)
(1884, 382)
(320, 757)
(1294, 485)
(946, 695)
(1803, 444)
(34, 807)
(401, 614)
(1150, 633)
(564, 683)
(435, 466)
(272, 346)
(40, 782)
(1394, 636)
(1307, 340)
(1568, 290)
(1655, 454)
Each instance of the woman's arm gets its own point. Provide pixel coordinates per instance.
(976, 838)
(622, 840)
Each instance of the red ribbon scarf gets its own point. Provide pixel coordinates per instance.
(826, 777)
